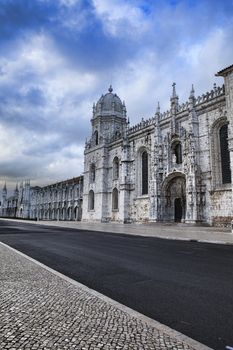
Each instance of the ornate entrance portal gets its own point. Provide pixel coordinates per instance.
(174, 198)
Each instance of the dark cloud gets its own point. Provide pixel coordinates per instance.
(14, 169)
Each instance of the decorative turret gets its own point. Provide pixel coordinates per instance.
(124, 110)
(192, 98)
(174, 109)
(4, 192)
(193, 119)
(16, 191)
(157, 113)
(174, 100)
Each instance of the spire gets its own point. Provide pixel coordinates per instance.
(4, 191)
(192, 92)
(174, 100)
(191, 98)
(16, 192)
(93, 109)
(158, 109)
(124, 109)
(174, 90)
(110, 89)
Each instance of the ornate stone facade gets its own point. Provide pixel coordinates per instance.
(60, 201)
(175, 166)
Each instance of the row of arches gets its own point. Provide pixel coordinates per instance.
(115, 199)
(57, 214)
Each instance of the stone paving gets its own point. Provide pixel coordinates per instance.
(41, 310)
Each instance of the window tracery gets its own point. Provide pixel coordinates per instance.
(225, 154)
(92, 173)
(144, 172)
(96, 138)
(115, 199)
(221, 170)
(91, 200)
(115, 168)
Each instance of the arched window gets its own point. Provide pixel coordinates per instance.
(178, 153)
(96, 137)
(115, 199)
(92, 173)
(76, 213)
(115, 168)
(91, 200)
(144, 173)
(221, 170)
(225, 155)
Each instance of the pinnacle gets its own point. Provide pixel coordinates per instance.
(192, 91)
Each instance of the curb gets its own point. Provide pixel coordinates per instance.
(163, 328)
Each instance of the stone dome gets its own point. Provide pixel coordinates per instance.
(109, 104)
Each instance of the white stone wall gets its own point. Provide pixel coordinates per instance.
(221, 207)
(192, 125)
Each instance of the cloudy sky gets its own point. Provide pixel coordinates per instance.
(58, 56)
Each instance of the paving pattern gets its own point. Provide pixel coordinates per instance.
(39, 310)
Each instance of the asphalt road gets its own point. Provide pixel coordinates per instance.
(185, 285)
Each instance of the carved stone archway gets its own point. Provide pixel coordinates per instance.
(174, 198)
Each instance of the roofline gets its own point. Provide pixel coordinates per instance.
(225, 71)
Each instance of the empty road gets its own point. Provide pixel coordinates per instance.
(185, 285)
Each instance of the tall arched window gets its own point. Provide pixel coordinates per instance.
(96, 137)
(92, 173)
(115, 199)
(115, 168)
(144, 173)
(91, 200)
(178, 153)
(225, 154)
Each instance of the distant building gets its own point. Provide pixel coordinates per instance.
(176, 166)
(60, 201)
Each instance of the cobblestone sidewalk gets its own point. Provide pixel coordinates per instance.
(42, 310)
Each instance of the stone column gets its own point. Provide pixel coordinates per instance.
(153, 213)
(227, 73)
(193, 162)
(124, 199)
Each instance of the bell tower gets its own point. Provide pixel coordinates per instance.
(108, 124)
